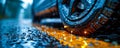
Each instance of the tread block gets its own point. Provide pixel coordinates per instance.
(102, 19)
(112, 3)
(107, 11)
(96, 25)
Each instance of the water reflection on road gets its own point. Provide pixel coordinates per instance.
(21, 34)
(71, 40)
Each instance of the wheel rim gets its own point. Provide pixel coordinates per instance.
(77, 12)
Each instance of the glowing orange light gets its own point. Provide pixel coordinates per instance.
(65, 26)
(85, 32)
(71, 40)
(71, 31)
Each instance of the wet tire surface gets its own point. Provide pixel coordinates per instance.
(107, 14)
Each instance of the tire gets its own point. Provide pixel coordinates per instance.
(101, 12)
